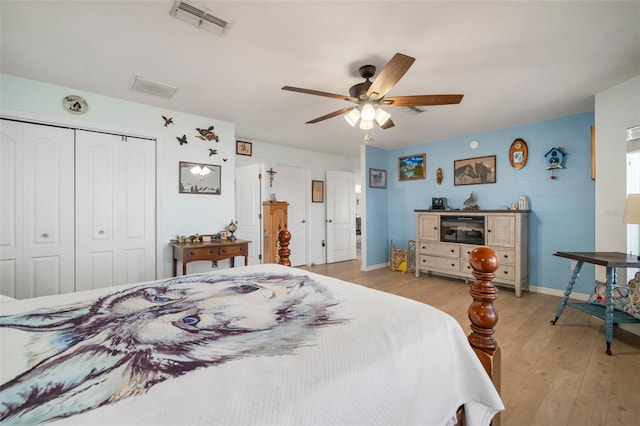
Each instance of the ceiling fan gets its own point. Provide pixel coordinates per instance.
(369, 95)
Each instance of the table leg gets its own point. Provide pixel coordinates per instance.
(232, 261)
(175, 267)
(568, 291)
(184, 268)
(246, 260)
(608, 322)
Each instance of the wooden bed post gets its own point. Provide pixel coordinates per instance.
(483, 315)
(284, 236)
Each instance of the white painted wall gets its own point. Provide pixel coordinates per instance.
(271, 155)
(616, 109)
(183, 214)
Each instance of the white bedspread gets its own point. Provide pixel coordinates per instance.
(369, 358)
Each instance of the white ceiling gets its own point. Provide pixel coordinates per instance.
(515, 62)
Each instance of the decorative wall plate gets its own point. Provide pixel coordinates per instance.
(518, 153)
(75, 104)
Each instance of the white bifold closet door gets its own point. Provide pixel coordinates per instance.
(36, 210)
(115, 210)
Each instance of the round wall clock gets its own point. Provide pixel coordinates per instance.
(518, 154)
(75, 104)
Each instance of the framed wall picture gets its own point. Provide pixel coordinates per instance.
(198, 178)
(317, 191)
(412, 167)
(244, 148)
(473, 171)
(377, 178)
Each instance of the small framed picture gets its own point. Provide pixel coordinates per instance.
(473, 171)
(412, 167)
(317, 191)
(377, 178)
(244, 148)
(223, 235)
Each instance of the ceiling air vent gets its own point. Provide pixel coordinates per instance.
(151, 87)
(199, 16)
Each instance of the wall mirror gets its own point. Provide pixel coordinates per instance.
(198, 178)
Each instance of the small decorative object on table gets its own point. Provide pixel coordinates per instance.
(470, 203)
(232, 227)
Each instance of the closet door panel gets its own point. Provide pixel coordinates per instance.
(115, 210)
(136, 232)
(36, 235)
(11, 225)
(48, 210)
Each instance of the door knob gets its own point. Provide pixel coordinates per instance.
(329, 221)
(45, 235)
(303, 221)
(101, 232)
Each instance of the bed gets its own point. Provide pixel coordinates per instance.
(255, 345)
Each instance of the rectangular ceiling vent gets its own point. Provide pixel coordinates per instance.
(151, 87)
(199, 16)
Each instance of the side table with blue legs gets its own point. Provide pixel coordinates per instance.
(611, 261)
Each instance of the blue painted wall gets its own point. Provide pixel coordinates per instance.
(562, 214)
(377, 208)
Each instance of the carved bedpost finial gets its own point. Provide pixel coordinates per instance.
(482, 313)
(284, 236)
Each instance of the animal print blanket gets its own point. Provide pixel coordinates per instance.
(255, 345)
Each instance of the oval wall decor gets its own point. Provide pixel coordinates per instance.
(518, 153)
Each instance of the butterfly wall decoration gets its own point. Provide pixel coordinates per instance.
(167, 121)
(182, 140)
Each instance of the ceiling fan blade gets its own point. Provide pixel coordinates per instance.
(319, 93)
(331, 115)
(421, 100)
(387, 124)
(390, 75)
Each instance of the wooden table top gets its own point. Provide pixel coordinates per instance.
(215, 243)
(610, 259)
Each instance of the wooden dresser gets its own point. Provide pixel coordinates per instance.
(214, 250)
(439, 249)
(274, 219)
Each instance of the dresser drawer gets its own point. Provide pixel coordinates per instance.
(200, 253)
(446, 250)
(506, 257)
(233, 250)
(505, 273)
(439, 264)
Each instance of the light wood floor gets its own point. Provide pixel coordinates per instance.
(551, 375)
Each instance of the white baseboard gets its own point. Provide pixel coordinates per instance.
(560, 293)
(374, 267)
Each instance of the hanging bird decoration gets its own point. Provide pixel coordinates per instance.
(167, 121)
(224, 159)
(207, 134)
(182, 140)
(212, 152)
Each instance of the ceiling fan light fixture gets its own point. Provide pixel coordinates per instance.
(366, 125)
(381, 116)
(353, 116)
(368, 112)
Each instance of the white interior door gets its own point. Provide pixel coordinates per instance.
(115, 210)
(37, 227)
(291, 185)
(248, 209)
(341, 213)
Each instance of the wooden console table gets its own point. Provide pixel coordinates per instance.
(215, 250)
(610, 260)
